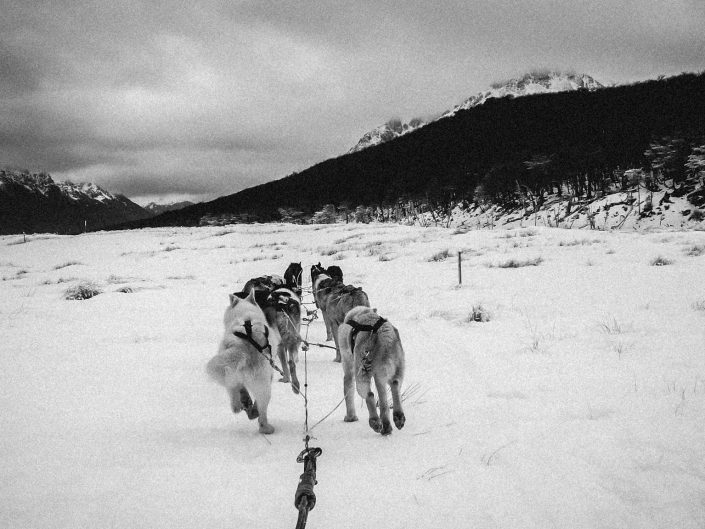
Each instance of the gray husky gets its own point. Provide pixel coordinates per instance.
(282, 310)
(335, 299)
(371, 348)
(242, 364)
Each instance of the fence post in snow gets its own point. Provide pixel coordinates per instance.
(460, 267)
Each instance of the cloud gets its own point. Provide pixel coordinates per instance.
(210, 98)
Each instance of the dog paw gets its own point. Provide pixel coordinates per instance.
(252, 411)
(376, 425)
(284, 379)
(399, 419)
(295, 388)
(352, 418)
(266, 429)
(386, 428)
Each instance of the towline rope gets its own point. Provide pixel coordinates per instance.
(305, 498)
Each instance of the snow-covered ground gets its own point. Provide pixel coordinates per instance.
(615, 211)
(580, 404)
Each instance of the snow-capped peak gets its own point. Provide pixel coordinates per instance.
(36, 202)
(390, 130)
(530, 83)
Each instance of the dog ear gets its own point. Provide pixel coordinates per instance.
(234, 300)
(251, 297)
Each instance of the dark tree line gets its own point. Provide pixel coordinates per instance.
(505, 150)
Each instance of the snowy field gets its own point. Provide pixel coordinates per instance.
(579, 404)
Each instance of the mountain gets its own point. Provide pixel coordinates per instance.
(158, 209)
(387, 132)
(34, 203)
(577, 139)
(530, 83)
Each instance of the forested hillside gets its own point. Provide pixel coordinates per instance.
(505, 150)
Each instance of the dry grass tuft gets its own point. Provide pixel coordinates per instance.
(84, 290)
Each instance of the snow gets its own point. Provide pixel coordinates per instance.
(529, 84)
(613, 211)
(579, 404)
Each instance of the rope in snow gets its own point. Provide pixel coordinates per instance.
(305, 498)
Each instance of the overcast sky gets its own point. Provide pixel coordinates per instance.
(202, 99)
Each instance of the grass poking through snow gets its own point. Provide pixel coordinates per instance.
(84, 290)
(516, 263)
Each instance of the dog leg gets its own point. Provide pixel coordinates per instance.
(235, 402)
(281, 352)
(334, 329)
(349, 391)
(363, 388)
(248, 405)
(329, 330)
(295, 386)
(348, 369)
(262, 394)
(399, 417)
(383, 405)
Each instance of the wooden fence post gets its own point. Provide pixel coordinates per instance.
(460, 267)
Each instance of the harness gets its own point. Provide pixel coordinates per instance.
(247, 336)
(281, 300)
(366, 362)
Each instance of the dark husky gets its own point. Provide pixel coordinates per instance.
(282, 310)
(335, 299)
(336, 274)
(293, 278)
(371, 348)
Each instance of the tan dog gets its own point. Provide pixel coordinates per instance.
(371, 348)
(242, 363)
(283, 312)
(335, 300)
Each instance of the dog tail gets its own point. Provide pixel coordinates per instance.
(217, 368)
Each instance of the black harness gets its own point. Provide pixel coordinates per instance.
(281, 300)
(359, 327)
(247, 336)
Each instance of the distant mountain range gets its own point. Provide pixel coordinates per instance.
(34, 203)
(529, 84)
(158, 209)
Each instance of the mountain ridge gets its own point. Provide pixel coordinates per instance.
(587, 136)
(552, 81)
(34, 202)
(158, 209)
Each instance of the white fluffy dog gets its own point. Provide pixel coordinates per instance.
(242, 364)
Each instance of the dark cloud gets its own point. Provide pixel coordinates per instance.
(154, 98)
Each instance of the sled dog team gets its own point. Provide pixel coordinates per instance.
(266, 316)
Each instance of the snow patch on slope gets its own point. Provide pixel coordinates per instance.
(531, 83)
